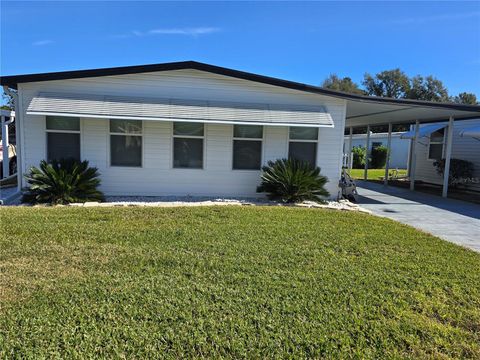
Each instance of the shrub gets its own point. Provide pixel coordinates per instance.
(460, 170)
(291, 180)
(359, 156)
(378, 157)
(62, 182)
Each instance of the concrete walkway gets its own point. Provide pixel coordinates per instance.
(8, 194)
(452, 220)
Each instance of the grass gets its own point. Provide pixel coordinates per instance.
(375, 174)
(234, 282)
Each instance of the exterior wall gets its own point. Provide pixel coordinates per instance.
(156, 176)
(465, 148)
(399, 149)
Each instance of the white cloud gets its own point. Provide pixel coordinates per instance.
(185, 31)
(194, 31)
(42, 42)
(441, 17)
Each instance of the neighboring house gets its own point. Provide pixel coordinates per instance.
(189, 128)
(431, 147)
(399, 147)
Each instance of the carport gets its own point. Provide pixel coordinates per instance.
(367, 111)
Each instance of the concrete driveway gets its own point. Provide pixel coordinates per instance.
(452, 220)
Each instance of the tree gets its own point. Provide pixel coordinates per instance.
(428, 88)
(390, 83)
(9, 102)
(345, 84)
(465, 98)
(359, 157)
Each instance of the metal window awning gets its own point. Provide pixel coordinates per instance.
(136, 108)
(473, 132)
(423, 131)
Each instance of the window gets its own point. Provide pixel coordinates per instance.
(63, 138)
(126, 143)
(247, 147)
(188, 145)
(435, 148)
(303, 144)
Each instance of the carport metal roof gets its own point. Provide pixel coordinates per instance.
(362, 113)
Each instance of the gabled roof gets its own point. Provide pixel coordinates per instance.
(13, 80)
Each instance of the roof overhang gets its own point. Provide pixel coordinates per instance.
(136, 108)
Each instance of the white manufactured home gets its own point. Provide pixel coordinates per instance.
(431, 147)
(399, 148)
(189, 128)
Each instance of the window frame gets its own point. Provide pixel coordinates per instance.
(316, 141)
(79, 131)
(436, 143)
(260, 139)
(204, 145)
(110, 133)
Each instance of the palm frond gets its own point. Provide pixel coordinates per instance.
(291, 180)
(62, 182)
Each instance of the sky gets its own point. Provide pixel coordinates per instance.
(299, 41)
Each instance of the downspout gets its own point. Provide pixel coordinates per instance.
(16, 108)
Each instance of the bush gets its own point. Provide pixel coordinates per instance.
(290, 180)
(461, 171)
(359, 156)
(62, 182)
(378, 157)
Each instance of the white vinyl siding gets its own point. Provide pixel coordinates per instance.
(157, 175)
(465, 148)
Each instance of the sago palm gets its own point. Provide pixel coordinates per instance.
(290, 180)
(62, 182)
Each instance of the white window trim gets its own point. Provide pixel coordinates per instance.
(204, 146)
(262, 141)
(110, 133)
(435, 143)
(63, 132)
(306, 141)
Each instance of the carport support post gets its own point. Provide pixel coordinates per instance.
(448, 155)
(367, 153)
(389, 147)
(413, 163)
(350, 146)
(5, 166)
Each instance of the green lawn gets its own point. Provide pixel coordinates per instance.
(375, 174)
(235, 282)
